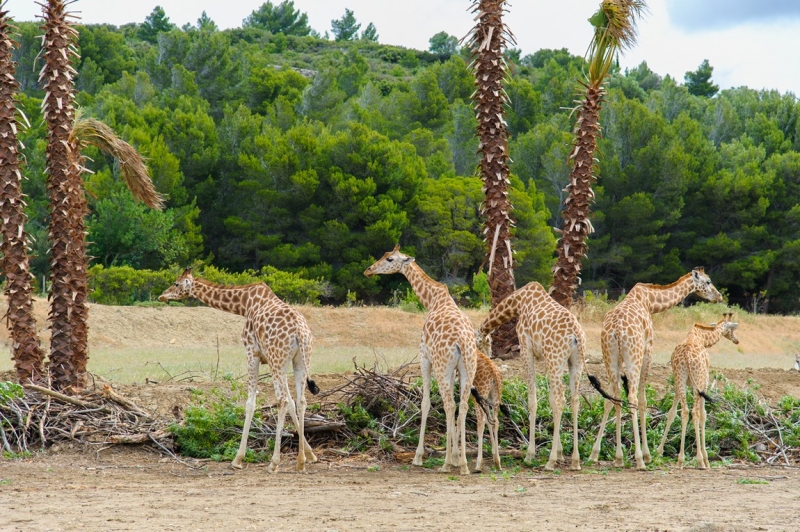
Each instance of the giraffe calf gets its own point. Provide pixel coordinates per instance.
(690, 363)
(488, 384)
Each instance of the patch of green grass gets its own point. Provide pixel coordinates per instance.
(751, 481)
(373, 468)
(431, 462)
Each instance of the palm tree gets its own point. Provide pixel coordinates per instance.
(28, 355)
(487, 41)
(614, 30)
(66, 137)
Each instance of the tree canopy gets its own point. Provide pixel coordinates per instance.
(315, 157)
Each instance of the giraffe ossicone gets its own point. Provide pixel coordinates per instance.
(626, 339)
(690, 364)
(274, 334)
(447, 346)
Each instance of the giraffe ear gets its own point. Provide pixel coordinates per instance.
(410, 260)
(396, 248)
(187, 271)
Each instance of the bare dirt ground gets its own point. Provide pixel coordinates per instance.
(123, 488)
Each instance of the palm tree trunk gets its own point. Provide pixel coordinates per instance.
(576, 226)
(27, 351)
(68, 311)
(487, 41)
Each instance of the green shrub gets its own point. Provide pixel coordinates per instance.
(213, 424)
(123, 285)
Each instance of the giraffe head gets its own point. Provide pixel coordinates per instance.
(181, 288)
(729, 328)
(484, 341)
(703, 286)
(391, 262)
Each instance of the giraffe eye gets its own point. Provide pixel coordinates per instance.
(389, 259)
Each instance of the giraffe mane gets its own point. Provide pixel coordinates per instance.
(666, 286)
(704, 327)
(229, 286)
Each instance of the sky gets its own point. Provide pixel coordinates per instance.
(748, 42)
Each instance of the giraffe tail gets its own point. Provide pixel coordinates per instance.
(481, 401)
(707, 397)
(625, 384)
(312, 386)
(594, 381)
(505, 410)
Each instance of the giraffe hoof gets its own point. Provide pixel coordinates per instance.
(236, 465)
(576, 466)
(550, 466)
(272, 468)
(445, 468)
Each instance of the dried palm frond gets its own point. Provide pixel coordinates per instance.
(92, 132)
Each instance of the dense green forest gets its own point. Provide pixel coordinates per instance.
(280, 147)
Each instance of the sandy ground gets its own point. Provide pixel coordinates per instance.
(118, 488)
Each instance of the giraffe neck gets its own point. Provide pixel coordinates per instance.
(661, 298)
(429, 292)
(233, 299)
(708, 336)
(506, 310)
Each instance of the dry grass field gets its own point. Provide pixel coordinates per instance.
(119, 488)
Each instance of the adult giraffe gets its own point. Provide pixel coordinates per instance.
(448, 344)
(275, 334)
(627, 343)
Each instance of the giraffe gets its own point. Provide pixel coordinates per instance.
(797, 361)
(549, 333)
(489, 384)
(448, 344)
(690, 363)
(274, 334)
(626, 339)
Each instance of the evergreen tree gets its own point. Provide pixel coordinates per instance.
(156, 22)
(345, 28)
(281, 18)
(370, 33)
(699, 82)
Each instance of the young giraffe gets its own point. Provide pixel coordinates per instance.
(489, 383)
(690, 363)
(627, 343)
(275, 334)
(551, 333)
(448, 344)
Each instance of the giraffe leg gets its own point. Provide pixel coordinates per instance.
(643, 405)
(697, 418)
(298, 413)
(703, 431)
(250, 406)
(481, 417)
(618, 456)
(670, 418)
(493, 430)
(684, 422)
(634, 404)
(574, 378)
(282, 394)
(557, 405)
(450, 414)
(425, 369)
(530, 456)
(464, 389)
(607, 405)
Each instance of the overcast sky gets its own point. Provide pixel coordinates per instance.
(748, 42)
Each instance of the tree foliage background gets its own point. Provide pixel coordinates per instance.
(280, 148)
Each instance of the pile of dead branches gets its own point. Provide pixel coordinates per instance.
(43, 417)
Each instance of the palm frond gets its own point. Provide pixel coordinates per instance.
(92, 132)
(615, 29)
